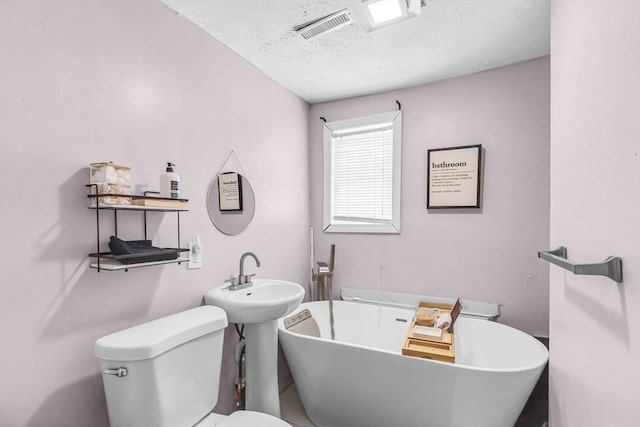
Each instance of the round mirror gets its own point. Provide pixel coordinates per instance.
(231, 203)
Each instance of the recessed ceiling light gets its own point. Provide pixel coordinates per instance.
(373, 15)
(384, 10)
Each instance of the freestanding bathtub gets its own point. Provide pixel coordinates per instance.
(362, 379)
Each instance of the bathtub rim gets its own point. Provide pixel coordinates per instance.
(523, 368)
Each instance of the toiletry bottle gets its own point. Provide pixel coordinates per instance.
(170, 183)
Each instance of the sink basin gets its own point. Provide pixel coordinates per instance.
(266, 299)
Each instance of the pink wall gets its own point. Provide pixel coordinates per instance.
(487, 254)
(595, 197)
(132, 82)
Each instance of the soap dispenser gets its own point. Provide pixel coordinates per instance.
(170, 183)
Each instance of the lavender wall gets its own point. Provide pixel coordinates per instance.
(487, 254)
(595, 171)
(134, 83)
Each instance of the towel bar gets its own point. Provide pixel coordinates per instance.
(610, 267)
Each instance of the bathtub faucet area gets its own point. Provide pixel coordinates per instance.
(243, 280)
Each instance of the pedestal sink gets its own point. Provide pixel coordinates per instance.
(258, 307)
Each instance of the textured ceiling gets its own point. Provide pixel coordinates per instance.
(451, 38)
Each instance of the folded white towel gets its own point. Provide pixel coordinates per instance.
(443, 321)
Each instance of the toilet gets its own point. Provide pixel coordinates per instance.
(166, 373)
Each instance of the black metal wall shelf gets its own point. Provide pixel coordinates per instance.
(134, 207)
(110, 262)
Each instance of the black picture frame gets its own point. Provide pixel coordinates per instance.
(453, 177)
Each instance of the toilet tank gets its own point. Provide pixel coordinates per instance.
(172, 369)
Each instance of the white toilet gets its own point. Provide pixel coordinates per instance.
(166, 373)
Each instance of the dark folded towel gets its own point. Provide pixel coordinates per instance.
(136, 251)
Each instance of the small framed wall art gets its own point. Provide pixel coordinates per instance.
(230, 192)
(453, 177)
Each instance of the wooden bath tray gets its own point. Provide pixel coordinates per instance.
(442, 348)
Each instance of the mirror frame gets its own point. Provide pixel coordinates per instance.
(231, 223)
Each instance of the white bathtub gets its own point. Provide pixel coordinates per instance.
(362, 379)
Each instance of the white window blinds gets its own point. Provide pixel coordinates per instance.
(362, 175)
(362, 171)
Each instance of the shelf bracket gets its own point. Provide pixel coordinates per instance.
(610, 267)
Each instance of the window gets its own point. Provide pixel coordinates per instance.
(362, 174)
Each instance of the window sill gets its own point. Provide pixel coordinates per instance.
(363, 228)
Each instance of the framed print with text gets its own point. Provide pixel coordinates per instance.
(230, 192)
(453, 177)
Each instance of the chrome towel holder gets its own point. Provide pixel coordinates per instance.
(610, 267)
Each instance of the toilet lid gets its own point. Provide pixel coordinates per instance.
(250, 419)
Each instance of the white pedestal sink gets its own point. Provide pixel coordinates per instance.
(258, 307)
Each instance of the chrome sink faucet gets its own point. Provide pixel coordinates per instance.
(243, 280)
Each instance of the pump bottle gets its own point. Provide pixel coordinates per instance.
(170, 183)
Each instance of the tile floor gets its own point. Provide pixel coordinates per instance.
(291, 409)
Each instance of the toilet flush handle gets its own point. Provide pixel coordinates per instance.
(118, 372)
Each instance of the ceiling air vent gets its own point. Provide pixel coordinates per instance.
(326, 24)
